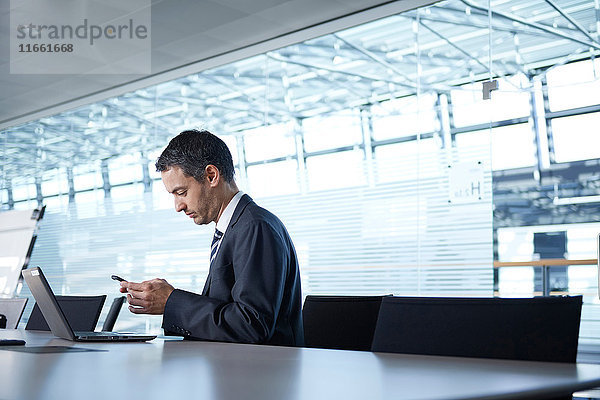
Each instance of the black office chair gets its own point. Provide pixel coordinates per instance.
(340, 322)
(535, 329)
(82, 312)
(113, 313)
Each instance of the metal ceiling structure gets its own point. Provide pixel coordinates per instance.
(187, 36)
(432, 49)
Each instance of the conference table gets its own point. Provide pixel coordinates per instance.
(171, 368)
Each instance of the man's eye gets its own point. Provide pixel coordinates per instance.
(181, 193)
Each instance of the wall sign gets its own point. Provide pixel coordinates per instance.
(465, 182)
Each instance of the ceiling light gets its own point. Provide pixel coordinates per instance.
(337, 60)
(576, 200)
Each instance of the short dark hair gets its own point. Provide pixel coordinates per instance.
(192, 150)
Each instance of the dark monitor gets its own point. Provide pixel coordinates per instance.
(550, 244)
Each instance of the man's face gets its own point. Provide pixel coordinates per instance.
(192, 197)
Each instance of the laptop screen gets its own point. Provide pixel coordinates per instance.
(47, 302)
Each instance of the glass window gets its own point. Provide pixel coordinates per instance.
(349, 240)
(331, 131)
(513, 146)
(268, 142)
(91, 196)
(125, 169)
(152, 156)
(127, 191)
(517, 244)
(24, 189)
(399, 161)
(573, 85)
(241, 181)
(125, 198)
(516, 281)
(336, 170)
(273, 179)
(405, 116)
(90, 204)
(231, 142)
(56, 203)
(25, 205)
(468, 107)
(161, 199)
(511, 100)
(576, 138)
(54, 182)
(87, 177)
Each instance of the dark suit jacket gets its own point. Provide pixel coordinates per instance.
(252, 293)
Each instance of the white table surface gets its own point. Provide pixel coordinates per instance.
(174, 369)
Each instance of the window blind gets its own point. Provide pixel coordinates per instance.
(395, 231)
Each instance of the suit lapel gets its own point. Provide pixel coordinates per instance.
(206, 289)
(239, 209)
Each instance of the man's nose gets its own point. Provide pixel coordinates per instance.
(179, 205)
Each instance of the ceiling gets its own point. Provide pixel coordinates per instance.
(184, 33)
(432, 50)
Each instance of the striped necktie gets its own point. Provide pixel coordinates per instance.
(215, 244)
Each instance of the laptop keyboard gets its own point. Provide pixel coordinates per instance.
(98, 334)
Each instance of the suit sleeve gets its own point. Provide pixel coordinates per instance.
(259, 263)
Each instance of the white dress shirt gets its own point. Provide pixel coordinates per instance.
(225, 218)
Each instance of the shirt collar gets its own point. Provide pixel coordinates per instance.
(228, 212)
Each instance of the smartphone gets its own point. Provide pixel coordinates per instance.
(11, 342)
(117, 278)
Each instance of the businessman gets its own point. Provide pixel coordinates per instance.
(252, 293)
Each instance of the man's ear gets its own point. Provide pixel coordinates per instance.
(212, 175)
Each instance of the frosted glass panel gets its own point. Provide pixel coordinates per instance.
(395, 236)
(261, 178)
(333, 131)
(269, 142)
(405, 116)
(513, 146)
(335, 170)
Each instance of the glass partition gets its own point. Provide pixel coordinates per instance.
(374, 145)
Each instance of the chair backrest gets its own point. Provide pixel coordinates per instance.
(82, 312)
(12, 309)
(535, 329)
(340, 322)
(113, 313)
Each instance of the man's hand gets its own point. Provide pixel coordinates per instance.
(148, 297)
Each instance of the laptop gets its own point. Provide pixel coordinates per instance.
(58, 323)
